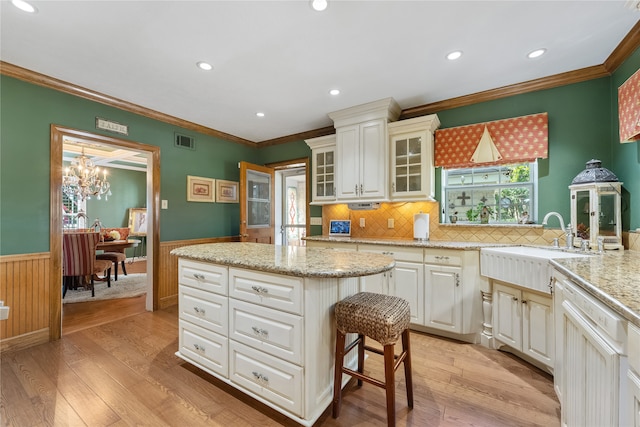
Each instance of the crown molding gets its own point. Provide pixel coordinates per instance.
(625, 48)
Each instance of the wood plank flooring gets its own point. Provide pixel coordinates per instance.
(124, 372)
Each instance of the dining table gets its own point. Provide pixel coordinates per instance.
(117, 245)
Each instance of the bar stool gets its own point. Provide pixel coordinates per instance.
(384, 318)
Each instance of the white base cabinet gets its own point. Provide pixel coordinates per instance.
(271, 336)
(524, 321)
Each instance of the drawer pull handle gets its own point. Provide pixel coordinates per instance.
(198, 276)
(442, 257)
(261, 378)
(260, 289)
(199, 311)
(199, 348)
(259, 331)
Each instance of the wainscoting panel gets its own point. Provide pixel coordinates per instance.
(25, 290)
(168, 271)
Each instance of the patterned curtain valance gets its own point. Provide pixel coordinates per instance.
(515, 140)
(629, 109)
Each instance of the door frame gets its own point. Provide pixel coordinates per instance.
(294, 163)
(57, 134)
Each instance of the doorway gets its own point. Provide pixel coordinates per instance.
(58, 136)
(291, 202)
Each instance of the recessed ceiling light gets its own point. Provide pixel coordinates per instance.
(24, 6)
(536, 53)
(454, 55)
(334, 92)
(319, 5)
(260, 114)
(205, 66)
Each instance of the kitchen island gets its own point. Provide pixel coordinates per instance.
(260, 318)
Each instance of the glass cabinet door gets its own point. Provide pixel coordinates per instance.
(324, 175)
(408, 164)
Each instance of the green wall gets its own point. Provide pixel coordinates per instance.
(582, 125)
(26, 113)
(626, 157)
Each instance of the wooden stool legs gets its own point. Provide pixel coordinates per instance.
(391, 364)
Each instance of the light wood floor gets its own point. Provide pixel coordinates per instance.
(124, 373)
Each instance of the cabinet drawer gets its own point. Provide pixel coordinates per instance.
(270, 290)
(444, 257)
(398, 253)
(204, 347)
(204, 309)
(275, 332)
(271, 378)
(202, 275)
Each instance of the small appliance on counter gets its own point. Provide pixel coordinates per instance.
(421, 226)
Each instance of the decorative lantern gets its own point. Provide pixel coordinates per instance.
(595, 206)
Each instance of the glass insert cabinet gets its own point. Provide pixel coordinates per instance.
(595, 212)
(323, 164)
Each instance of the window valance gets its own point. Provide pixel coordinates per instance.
(629, 109)
(514, 140)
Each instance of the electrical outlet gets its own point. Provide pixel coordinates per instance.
(391, 223)
(362, 222)
(164, 204)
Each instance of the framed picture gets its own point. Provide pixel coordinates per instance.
(201, 189)
(226, 191)
(137, 221)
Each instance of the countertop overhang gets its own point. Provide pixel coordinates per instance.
(289, 260)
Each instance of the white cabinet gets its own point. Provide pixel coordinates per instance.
(594, 390)
(524, 321)
(412, 169)
(632, 403)
(361, 150)
(323, 169)
(443, 297)
(361, 161)
(404, 281)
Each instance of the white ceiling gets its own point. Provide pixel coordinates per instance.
(282, 57)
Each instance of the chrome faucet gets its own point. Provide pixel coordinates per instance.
(546, 217)
(567, 231)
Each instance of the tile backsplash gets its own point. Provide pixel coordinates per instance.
(376, 225)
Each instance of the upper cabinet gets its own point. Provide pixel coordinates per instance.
(411, 155)
(323, 164)
(361, 150)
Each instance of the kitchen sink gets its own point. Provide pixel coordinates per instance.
(524, 266)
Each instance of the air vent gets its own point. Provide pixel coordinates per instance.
(184, 141)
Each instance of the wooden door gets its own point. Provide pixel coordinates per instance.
(256, 203)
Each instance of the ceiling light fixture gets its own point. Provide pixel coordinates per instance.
(334, 92)
(204, 66)
(454, 55)
(319, 5)
(536, 53)
(24, 6)
(82, 180)
(260, 114)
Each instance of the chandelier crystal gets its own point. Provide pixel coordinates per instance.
(82, 180)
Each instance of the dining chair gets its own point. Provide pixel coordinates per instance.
(79, 261)
(114, 256)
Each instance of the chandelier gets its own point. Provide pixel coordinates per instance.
(82, 179)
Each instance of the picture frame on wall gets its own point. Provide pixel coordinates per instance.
(226, 191)
(137, 221)
(201, 189)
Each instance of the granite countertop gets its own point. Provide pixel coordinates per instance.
(427, 244)
(289, 260)
(613, 278)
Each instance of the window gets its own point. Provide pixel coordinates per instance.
(71, 207)
(507, 191)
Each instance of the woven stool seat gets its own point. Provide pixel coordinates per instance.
(378, 316)
(384, 318)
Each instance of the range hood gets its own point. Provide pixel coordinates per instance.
(364, 206)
